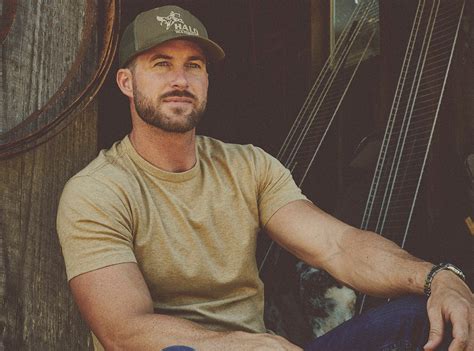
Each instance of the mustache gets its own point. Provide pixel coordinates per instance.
(178, 93)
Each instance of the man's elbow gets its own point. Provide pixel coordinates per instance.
(121, 336)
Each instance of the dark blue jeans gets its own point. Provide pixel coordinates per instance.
(400, 325)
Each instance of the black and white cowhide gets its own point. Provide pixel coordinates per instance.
(326, 303)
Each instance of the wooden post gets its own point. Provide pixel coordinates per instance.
(38, 312)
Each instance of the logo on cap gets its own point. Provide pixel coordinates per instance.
(174, 19)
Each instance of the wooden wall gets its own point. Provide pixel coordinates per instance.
(37, 308)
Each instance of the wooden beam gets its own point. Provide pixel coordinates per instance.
(38, 312)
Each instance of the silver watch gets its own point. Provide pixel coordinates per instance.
(438, 268)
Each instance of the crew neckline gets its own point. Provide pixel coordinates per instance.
(158, 172)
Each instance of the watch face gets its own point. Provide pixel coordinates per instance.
(455, 270)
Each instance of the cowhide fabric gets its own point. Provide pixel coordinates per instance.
(326, 303)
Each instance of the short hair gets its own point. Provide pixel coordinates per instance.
(131, 64)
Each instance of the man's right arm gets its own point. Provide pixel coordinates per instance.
(116, 303)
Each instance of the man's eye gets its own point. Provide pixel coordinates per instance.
(162, 63)
(194, 65)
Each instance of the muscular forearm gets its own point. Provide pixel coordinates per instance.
(155, 332)
(117, 305)
(361, 259)
(374, 265)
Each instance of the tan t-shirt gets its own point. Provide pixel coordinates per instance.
(192, 234)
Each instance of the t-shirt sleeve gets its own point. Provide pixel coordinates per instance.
(94, 226)
(275, 186)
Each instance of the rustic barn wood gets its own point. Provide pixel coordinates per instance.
(8, 15)
(38, 312)
(55, 58)
(40, 51)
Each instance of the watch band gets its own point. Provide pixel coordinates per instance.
(438, 268)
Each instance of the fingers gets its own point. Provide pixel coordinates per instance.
(436, 329)
(460, 321)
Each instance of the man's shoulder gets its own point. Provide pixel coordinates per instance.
(110, 166)
(237, 156)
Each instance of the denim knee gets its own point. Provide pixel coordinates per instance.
(407, 308)
(402, 325)
(409, 320)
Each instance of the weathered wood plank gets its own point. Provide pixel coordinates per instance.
(37, 55)
(39, 313)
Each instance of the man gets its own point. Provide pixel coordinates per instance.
(159, 232)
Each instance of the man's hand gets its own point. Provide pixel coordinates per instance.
(451, 300)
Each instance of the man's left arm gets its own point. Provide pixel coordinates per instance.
(374, 265)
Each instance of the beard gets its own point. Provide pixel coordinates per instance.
(177, 120)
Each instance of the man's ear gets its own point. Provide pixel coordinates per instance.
(125, 81)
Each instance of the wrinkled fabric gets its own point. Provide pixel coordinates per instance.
(399, 325)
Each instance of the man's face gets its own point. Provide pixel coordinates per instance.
(170, 85)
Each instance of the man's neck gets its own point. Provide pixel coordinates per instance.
(172, 152)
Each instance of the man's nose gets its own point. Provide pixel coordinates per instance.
(179, 78)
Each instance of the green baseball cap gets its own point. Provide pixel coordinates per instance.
(161, 24)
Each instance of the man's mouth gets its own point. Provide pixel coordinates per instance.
(177, 99)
